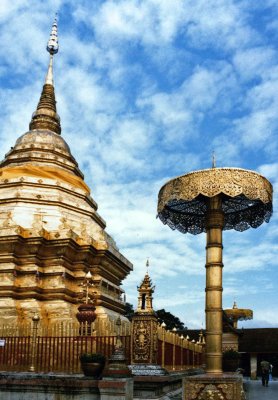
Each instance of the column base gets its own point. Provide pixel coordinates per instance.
(223, 386)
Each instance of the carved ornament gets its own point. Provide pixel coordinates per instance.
(210, 392)
(246, 199)
(144, 341)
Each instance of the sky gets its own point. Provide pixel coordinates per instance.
(146, 91)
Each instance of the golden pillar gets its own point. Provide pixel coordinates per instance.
(174, 348)
(35, 320)
(182, 349)
(163, 326)
(194, 354)
(214, 265)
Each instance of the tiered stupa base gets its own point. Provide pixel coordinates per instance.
(41, 274)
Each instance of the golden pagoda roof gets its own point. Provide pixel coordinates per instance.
(146, 283)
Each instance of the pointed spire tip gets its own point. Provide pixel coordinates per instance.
(52, 44)
(147, 265)
(213, 160)
(46, 117)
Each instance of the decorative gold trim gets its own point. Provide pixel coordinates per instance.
(43, 172)
(211, 182)
(246, 199)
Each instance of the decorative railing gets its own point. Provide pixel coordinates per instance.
(177, 352)
(56, 348)
(54, 353)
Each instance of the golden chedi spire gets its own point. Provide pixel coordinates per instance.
(45, 116)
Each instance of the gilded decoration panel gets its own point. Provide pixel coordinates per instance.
(144, 341)
(214, 389)
(210, 392)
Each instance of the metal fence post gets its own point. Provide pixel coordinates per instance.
(163, 326)
(182, 339)
(174, 348)
(35, 319)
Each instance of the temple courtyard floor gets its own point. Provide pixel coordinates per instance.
(256, 391)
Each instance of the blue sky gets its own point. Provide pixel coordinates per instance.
(146, 90)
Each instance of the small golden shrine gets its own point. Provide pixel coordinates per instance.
(144, 325)
(50, 232)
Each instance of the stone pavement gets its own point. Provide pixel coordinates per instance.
(256, 391)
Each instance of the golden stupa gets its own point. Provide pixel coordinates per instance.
(50, 231)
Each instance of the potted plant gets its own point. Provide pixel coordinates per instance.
(92, 364)
(231, 359)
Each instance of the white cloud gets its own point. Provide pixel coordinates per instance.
(256, 258)
(220, 23)
(254, 62)
(150, 21)
(8, 8)
(181, 112)
(258, 127)
(262, 318)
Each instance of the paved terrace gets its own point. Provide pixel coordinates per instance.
(256, 391)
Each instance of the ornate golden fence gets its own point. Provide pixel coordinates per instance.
(56, 348)
(53, 353)
(176, 352)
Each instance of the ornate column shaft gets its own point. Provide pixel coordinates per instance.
(214, 265)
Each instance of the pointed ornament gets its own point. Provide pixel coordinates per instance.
(45, 117)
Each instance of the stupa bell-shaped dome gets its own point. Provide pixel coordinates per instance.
(43, 148)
